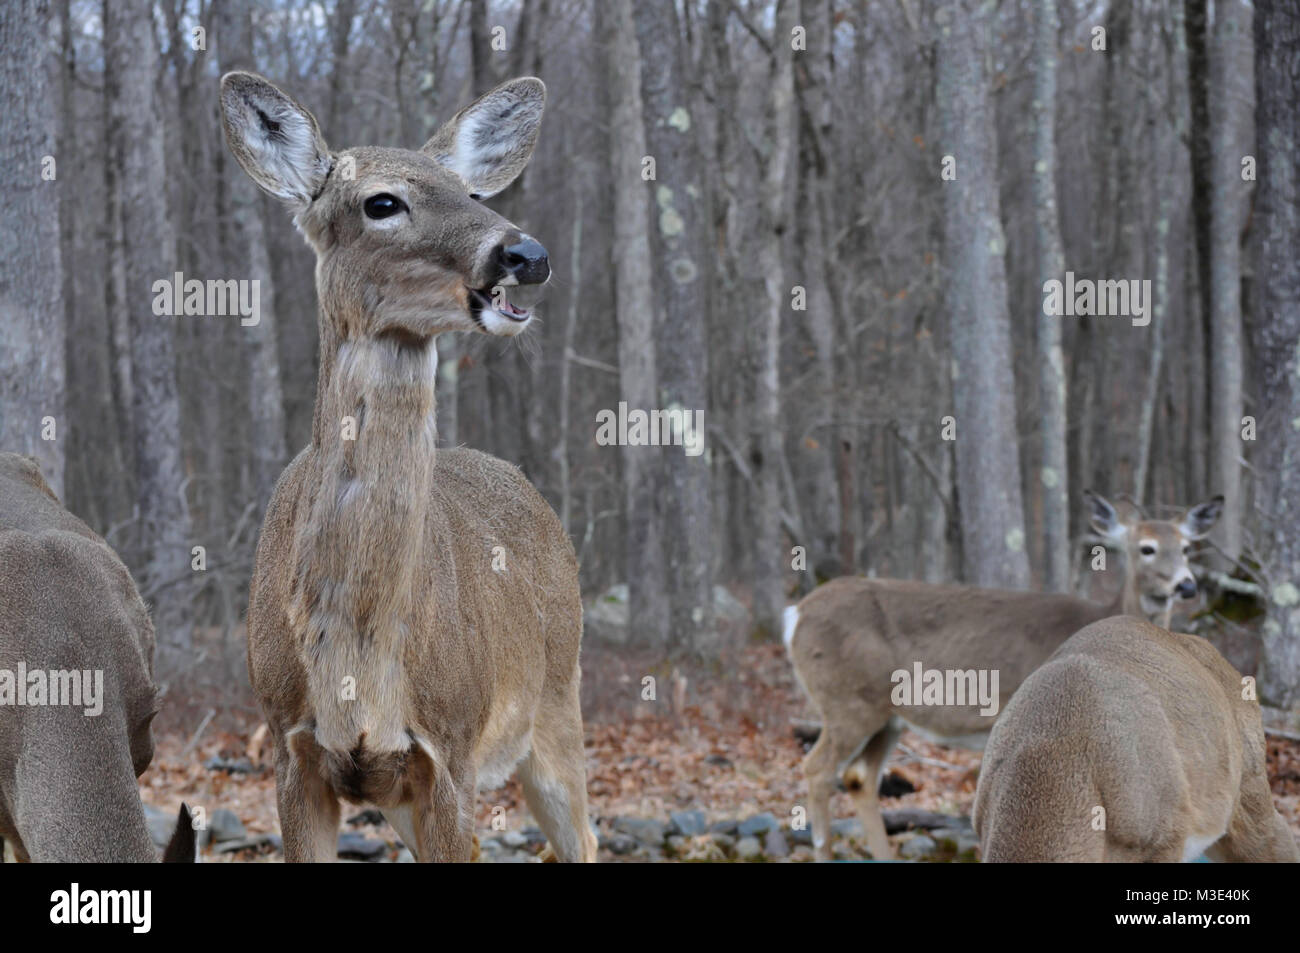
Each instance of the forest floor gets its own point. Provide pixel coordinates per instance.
(720, 742)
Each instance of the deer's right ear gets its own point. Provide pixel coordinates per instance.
(1102, 516)
(274, 140)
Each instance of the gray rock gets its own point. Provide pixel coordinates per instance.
(922, 845)
(846, 827)
(726, 826)
(514, 839)
(646, 830)
(688, 823)
(251, 842)
(676, 844)
(161, 824)
(748, 848)
(226, 825)
(620, 844)
(356, 847)
(801, 838)
(230, 765)
(512, 857)
(960, 839)
(758, 824)
(775, 845)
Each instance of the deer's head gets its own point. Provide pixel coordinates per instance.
(404, 248)
(1156, 550)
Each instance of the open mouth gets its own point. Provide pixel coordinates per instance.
(496, 299)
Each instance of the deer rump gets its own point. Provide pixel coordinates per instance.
(1131, 743)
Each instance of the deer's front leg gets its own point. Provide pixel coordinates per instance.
(309, 809)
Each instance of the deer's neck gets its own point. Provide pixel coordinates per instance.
(1127, 601)
(360, 548)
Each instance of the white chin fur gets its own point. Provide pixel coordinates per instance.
(502, 326)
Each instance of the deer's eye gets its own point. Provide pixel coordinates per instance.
(383, 205)
(1146, 549)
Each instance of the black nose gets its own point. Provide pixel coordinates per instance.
(526, 260)
(1186, 589)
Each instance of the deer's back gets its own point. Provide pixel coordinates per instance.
(1147, 725)
(854, 632)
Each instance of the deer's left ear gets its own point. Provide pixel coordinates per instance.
(1201, 518)
(489, 142)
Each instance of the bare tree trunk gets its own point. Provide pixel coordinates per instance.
(566, 364)
(1054, 472)
(1155, 365)
(683, 276)
(1230, 100)
(134, 146)
(1275, 334)
(825, 459)
(481, 73)
(1196, 22)
(246, 253)
(988, 459)
(472, 417)
(32, 376)
(336, 109)
(770, 556)
(634, 307)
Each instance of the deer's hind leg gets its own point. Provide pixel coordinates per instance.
(554, 777)
(862, 780)
(838, 746)
(1256, 832)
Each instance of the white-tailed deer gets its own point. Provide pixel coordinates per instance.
(848, 638)
(77, 695)
(414, 618)
(1131, 743)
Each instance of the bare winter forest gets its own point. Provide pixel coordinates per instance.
(893, 283)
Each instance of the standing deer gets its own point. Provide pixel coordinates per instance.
(414, 617)
(848, 637)
(1131, 743)
(68, 606)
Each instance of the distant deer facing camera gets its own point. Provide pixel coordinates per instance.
(414, 617)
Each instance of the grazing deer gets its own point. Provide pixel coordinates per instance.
(414, 618)
(848, 637)
(72, 625)
(1131, 743)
